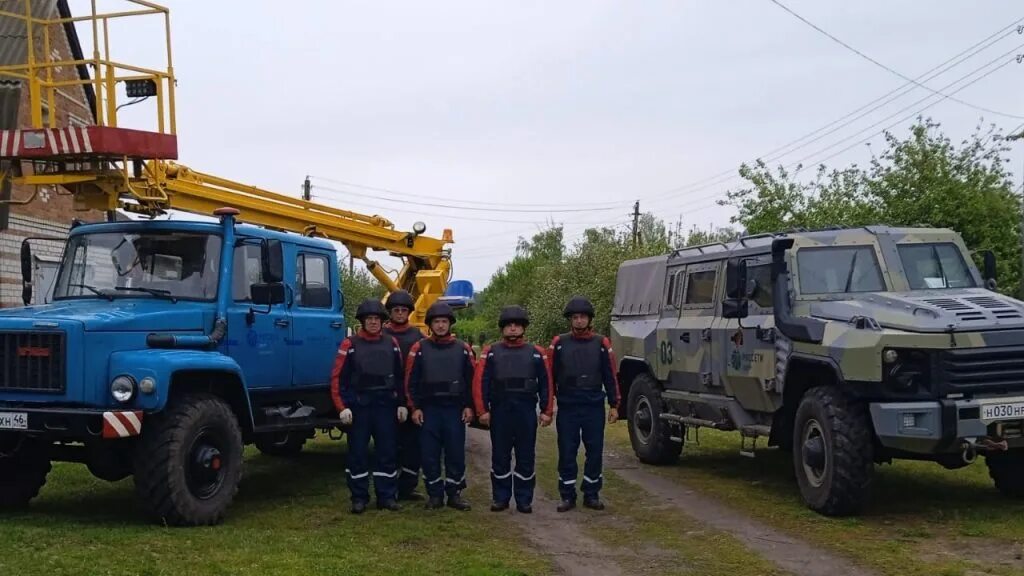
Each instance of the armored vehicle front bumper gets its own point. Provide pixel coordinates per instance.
(943, 426)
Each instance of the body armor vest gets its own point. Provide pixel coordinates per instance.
(443, 373)
(514, 370)
(579, 363)
(374, 364)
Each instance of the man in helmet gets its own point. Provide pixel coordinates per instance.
(511, 378)
(439, 379)
(400, 305)
(366, 386)
(583, 366)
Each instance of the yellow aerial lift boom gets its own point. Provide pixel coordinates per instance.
(106, 167)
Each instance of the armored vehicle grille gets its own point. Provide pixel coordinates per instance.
(32, 361)
(982, 369)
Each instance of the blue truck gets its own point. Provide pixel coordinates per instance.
(168, 346)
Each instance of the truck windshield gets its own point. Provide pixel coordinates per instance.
(839, 269)
(934, 266)
(168, 265)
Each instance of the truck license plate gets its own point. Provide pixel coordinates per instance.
(1006, 411)
(14, 420)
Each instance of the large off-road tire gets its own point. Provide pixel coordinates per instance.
(832, 452)
(1007, 472)
(24, 464)
(189, 461)
(282, 443)
(650, 435)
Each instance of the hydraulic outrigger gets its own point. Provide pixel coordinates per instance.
(106, 167)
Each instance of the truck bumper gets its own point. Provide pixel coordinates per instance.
(71, 423)
(937, 427)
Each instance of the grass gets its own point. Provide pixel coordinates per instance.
(922, 519)
(650, 537)
(290, 517)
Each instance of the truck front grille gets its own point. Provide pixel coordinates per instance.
(982, 369)
(32, 361)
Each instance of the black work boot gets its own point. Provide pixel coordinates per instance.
(594, 503)
(455, 501)
(358, 507)
(566, 505)
(388, 505)
(435, 503)
(524, 509)
(499, 506)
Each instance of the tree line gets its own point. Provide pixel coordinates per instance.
(919, 179)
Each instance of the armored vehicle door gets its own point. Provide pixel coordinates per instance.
(667, 358)
(696, 320)
(744, 352)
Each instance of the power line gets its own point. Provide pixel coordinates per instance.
(887, 68)
(942, 68)
(444, 199)
(454, 207)
(434, 214)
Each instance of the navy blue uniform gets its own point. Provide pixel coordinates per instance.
(583, 367)
(439, 378)
(509, 383)
(408, 433)
(367, 379)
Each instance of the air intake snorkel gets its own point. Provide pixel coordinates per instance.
(794, 328)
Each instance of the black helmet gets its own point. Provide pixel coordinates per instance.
(371, 307)
(440, 310)
(578, 305)
(400, 298)
(511, 314)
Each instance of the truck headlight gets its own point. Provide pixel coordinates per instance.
(906, 370)
(122, 388)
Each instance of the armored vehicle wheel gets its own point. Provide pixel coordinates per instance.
(1007, 472)
(282, 443)
(24, 464)
(650, 435)
(189, 462)
(832, 452)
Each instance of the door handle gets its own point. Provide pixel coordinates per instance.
(685, 337)
(283, 322)
(337, 324)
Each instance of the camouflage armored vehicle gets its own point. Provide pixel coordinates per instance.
(846, 347)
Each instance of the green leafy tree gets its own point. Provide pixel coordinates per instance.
(923, 179)
(357, 285)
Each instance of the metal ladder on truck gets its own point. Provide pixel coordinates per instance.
(107, 167)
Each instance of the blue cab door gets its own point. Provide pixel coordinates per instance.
(259, 342)
(317, 323)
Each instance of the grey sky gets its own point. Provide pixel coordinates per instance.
(586, 103)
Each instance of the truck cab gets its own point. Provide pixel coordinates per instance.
(167, 346)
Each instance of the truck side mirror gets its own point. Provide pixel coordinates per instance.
(735, 304)
(26, 272)
(989, 268)
(272, 258)
(268, 293)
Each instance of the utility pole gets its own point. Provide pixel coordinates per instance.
(636, 223)
(307, 190)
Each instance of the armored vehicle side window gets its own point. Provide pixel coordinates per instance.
(675, 288)
(700, 287)
(839, 269)
(312, 281)
(247, 271)
(932, 266)
(761, 277)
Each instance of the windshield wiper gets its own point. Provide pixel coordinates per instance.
(94, 290)
(151, 291)
(853, 266)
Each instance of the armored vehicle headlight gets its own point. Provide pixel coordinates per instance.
(890, 356)
(122, 388)
(147, 385)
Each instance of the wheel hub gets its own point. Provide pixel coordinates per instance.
(643, 420)
(204, 470)
(814, 453)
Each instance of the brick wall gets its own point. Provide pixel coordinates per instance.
(51, 211)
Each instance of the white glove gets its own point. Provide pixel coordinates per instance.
(403, 413)
(346, 416)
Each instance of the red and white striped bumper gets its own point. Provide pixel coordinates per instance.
(122, 424)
